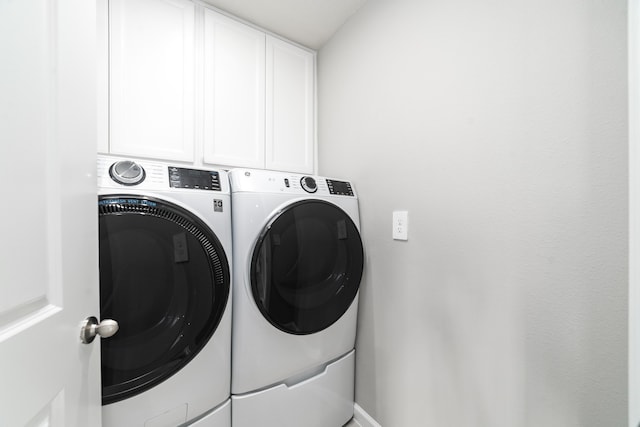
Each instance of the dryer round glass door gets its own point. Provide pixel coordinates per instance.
(164, 276)
(306, 267)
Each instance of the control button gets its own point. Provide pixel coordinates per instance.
(308, 184)
(127, 172)
(286, 182)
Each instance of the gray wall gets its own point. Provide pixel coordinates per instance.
(500, 125)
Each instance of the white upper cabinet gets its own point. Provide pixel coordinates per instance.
(290, 107)
(152, 78)
(180, 81)
(234, 92)
(102, 64)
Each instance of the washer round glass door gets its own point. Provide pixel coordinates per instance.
(306, 267)
(164, 277)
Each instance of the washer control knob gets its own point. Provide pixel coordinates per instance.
(127, 172)
(309, 184)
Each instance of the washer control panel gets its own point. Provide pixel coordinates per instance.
(137, 174)
(127, 172)
(194, 178)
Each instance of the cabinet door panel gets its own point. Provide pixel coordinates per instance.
(290, 107)
(234, 93)
(152, 78)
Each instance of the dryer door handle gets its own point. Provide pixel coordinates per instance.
(90, 328)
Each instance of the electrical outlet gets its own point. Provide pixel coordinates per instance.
(400, 225)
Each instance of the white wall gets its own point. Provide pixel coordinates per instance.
(500, 125)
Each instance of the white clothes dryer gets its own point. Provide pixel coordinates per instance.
(165, 257)
(298, 265)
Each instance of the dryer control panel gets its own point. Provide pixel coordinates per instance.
(257, 180)
(308, 184)
(341, 188)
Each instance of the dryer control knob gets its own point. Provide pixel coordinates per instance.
(309, 184)
(127, 172)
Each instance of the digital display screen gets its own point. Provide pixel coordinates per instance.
(339, 187)
(194, 178)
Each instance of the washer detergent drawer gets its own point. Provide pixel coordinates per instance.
(324, 400)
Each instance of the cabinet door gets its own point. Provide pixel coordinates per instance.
(234, 58)
(152, 78)
(290, 107)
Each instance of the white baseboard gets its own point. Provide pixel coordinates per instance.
(364, 419)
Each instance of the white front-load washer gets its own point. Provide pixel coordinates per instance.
(298, 262)
(165, 257)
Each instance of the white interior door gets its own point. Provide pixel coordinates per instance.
(48, 214)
